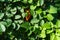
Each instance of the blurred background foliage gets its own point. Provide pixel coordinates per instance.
(29, 19)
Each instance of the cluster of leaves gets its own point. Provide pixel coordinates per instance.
(44, 24)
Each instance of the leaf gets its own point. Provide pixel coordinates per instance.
(36, 26)
(24, 1)
(47, 25)
(22, 10)
(34, 15)
(34, 21)
(49, 31)
(23, 15)
(9, 15)
(50, 17)
(43, 35)
(2, 28)
(2, 0)
(4, 23)
(32, 38)
(57, 38)
(32, 12)
(14, 25)
(18, 26)
(25, 25)
(8, 21)
(30, 1)
(17, 16)
(16, 0)
(52, 10)
(1, 15)
(39, 11)
(58, 32)
(40, 2)
(52, 36)
(58, 23)
(14, 10)
(29, 33)
(32, 7)
(42, 22)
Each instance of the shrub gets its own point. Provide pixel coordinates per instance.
(29, 19)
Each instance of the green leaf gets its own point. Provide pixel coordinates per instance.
(36, 26)
(17, 16)
(52, 36)
(8, 21)
(29, 33)
(30, 1)
(2, 28)
(14, 25)
(42, 22)
(24, 1)
(47, 25)
(52, 9)
(4, 23)
(1, 15)
(58, 23)
(18, 26)
(58, 32)
(2, 0)
(32, 7)
(14, 10)
(32, 12)
(43, 35)
(57, 38)
(34, 15)
(49, 31)
(16, 0)
(25, 25)
(40, 2)
(18, 21)
(23, 15)
(22, 10)
(34, 21)
(50, 17)
(9, 15)
(39, 11)
(32, 38)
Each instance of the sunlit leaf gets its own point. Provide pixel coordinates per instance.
(32, 7)
(39, 11)
(1, 15)
(2, 28)
(17, 17)
(30, 1)
(50, 17)
(58, 23)
(52, 9)
(43, 35)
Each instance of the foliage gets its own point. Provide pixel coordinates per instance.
(43, 22)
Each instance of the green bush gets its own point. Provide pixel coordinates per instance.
(29, 19)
